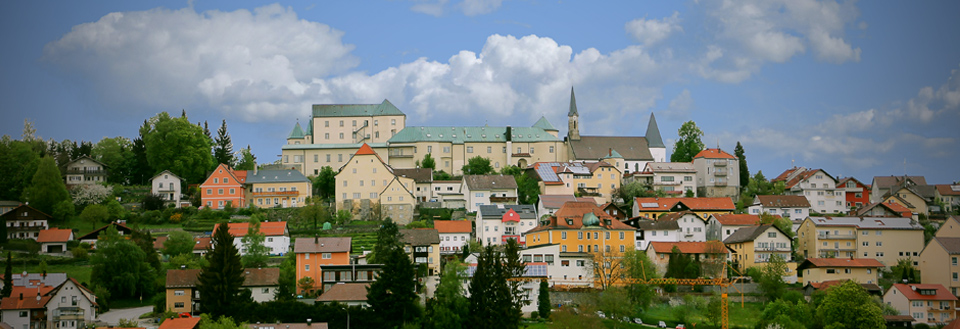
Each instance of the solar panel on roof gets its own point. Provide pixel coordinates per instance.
(649, 204)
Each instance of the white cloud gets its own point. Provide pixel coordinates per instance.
(651, 31)
(680, 106)
(255, 64)
(430, 8)
(479, 7)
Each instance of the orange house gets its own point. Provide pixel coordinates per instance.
(314, 253)
(223, 186)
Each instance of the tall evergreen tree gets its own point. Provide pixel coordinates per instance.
(7, 278)
(491, 299)
(220, 281)
(543, 300)
(137, 164)
(393, 295)
(223, 147)
(388, 237)
(744, 171)
(47, 188)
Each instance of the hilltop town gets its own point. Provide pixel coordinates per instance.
(367, 222)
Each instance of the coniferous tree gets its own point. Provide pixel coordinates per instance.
(744, 171)
(247, 160)
(7, 278)
(47, 187)
(223, 147)
(543, 300)
(388, 237)
(393, 296)
(220, 281)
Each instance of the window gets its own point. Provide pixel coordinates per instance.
(178, 305)
(621, 234)
(831, 271)
(580, 235)
(326, 255)
(23, 314)
(220, 191)
(306, 267)
(469, 149)
(551, 149)
(772, 234)
(563, 236)
(489, 149)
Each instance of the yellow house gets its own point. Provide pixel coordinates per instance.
(582, 227)
(596, 180)
(886, 239)
(860, 270)
(939, 260)
(908, 199)
(755, 245)
(703, 207)
(926, 303)
(367, 187)
(285, 188)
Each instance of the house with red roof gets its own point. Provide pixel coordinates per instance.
(371, 190)
(931, 304)
(54, 240)
(861, 270)
(498, 223)
(582, 227)
(277, 236)
(721, 226)
(703, 206)
(712, 255)
(181, 323)
(224, 187)
(884, 209)
(454, 234)
(718, 174)
(949, 194)
(68, 306)
(819, 187)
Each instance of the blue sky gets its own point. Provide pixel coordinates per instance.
(856, 88)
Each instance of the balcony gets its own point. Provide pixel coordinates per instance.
(27, 228)
(276, 193)
(662, 183)
(720, 173)
(850, 236)
(774, 249)
(720, 163)
(503, 199)
(86, 172)
(520, 155)
(720, 183)
(68, 313)
(589, 191)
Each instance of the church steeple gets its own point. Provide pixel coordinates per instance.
(573, 118)
(653, 133)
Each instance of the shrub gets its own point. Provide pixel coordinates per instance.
(80, 253)
(534, 315)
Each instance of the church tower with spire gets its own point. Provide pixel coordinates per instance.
(654, 141)
(573, 119)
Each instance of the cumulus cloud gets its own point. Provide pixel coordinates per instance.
(679, 107)
(753, 32)
(652, 31)
(254, 64)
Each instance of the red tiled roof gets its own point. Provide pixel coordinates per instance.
(689, 247)
(453, 226)
(843, 262)
(29, 300)
(714, 154)
(182, 278)
(181, 323)
(738, 219)
(365, 150)
(574, 211)
(695, 204)
(202, 243)
(267, 228)
(55, 235)
(345, 292)
(908, 291)
(946, 189)
(678, 215)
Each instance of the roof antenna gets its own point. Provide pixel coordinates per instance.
(792, 164)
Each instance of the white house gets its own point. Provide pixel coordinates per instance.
(548, 204)
(263, 283)
(721, 226)
(454, 234)
(563, 268)
(671, 177)
(817, 186)
(651, 230)
(496, 224)
(277, 236)
(480, 190)
(693, 228)
(167, 186)
(68, 305)
(787, 206)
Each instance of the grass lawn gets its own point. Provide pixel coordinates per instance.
(611, 324)
(740, 317)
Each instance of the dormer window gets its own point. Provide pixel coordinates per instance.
(570, 222)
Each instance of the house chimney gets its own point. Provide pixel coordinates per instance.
(316, 239)
(21, 296)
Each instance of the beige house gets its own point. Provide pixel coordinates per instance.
(423, 246)
(423, 177)
(448, 193)
(597, 180)
(787, 206)
(481, 190)
(931, 304)
(940, 259)
(861, 270)
(881, 185)
(674, 178)
(368, 187)
(84, 171)
(718, 174)
(908, 198)
(949, 194)
(755, 245)
(886, 239)
(285, 188)
(167, 186)
(818, 186)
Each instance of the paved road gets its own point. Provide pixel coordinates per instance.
(113, 317)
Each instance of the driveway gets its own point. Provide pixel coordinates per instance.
(113, 317)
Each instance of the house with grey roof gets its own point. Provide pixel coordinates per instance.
(423, 180)
(480, 190)
(423, 246)
(674, 178)
(167, 185)
(787, 206)
(280, 188)
(881, 185)
(495, 224)
(649, 230)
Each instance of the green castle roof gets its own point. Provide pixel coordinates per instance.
(355, 110)
(613, 155)
(297, 133)
(544, 124)
(460, 135)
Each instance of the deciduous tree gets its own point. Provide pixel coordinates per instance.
(18, 165)
(95, 214)
(177, 145)
(178, 243)
(113, 152)
(325, 183)
(477, 165)
(428, 162)
(256, 253)
(47, 187)
(848, 305)
(688, 144)
(247, 161)
(121, 267)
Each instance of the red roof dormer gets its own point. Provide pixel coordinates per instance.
(511, 215)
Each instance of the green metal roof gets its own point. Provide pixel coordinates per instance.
(330, 146)
(460, 135)
(544, 124)
(573, 104)
(309, 131)
(355, 110)
(653, 133)
(297, 133)
(613, 155)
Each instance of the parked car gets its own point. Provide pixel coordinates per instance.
(681, 326)
(662, 324)
(637, 321)
(601, 315)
